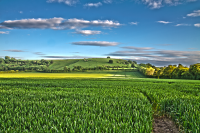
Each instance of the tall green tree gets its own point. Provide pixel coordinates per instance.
(168, 71)
(7, 57)
(195, 70)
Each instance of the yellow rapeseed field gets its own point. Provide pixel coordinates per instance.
(53, 75)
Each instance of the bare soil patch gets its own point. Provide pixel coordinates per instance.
(164, 125)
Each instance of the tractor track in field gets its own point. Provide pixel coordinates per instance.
(162, 124)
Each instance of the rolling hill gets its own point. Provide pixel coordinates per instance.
(89, 63)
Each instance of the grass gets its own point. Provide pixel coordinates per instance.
(97, 105)
(91, 63)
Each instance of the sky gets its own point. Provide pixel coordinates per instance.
(160, 32)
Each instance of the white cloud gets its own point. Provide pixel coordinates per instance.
(184, 17)
(20, 12)
(164, 22)
(56, 23)
(154, 4)
(67, 2)
(39, 53)
(93, 4)
(197, 25)
(80, 23)
(87, 32)
(133, 23)
(96, 43)
(107, 1)
(31, 23)
(194, 14)
(4, 32)
(182, 25)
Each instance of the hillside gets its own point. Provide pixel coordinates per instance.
(89, 63)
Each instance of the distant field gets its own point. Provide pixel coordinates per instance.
(91, 74)
(54, 75)
(91, 63)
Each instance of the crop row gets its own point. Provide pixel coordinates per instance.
(96, 105)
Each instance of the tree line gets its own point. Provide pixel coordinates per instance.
(171, 71)
(10, 63)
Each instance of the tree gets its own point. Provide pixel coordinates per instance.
(159, 73)
(108, 57)
(195, 70)
(148, 65)
(110, 61)
(7, 57)
(168, 71)
(51, 62)
(134, 62)
(2, 61)
(7, 61)
(150, 71)
(129, 61)
(65, 69)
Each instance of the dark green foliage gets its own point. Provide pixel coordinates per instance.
(110, 61)
(129, 61)
(134, 62)
(7, 57)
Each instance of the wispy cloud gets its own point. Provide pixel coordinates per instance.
(56, 23)
(107, 1)
(153, 4)
(133, 23)
(96, 43)
(164, 22)
(87, 32)
(93, 4)
(160, 57)
(39, 53)
(67, 2)
(21, 12)
(138, 48)
(197, 25)
(4, 32)
(194, 14)
(14, 50)
(156, 4)
(182, 25)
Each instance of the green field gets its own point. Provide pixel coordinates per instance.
(91, 63)
(97, 105)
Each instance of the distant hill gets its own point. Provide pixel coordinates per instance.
(89, 63)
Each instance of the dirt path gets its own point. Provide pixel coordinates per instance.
(164, 125)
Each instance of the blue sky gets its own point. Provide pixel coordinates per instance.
(160, 32)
